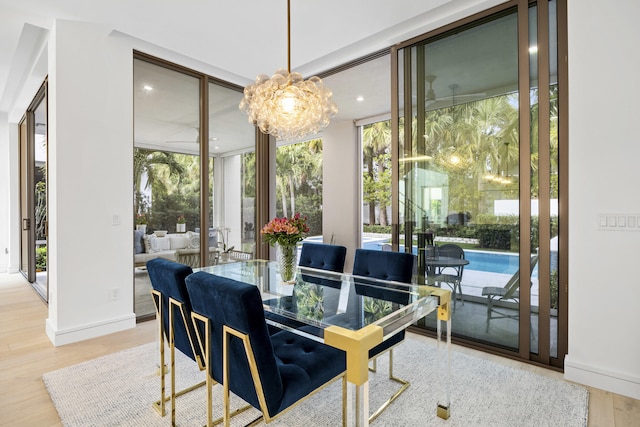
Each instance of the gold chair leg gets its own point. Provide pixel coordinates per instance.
(157, 300)
(404, 385)
(374, 365)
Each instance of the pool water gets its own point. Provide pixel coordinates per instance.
(493, 262)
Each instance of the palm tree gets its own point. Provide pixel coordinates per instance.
(148, 163)
(295, 165)
(376, 141)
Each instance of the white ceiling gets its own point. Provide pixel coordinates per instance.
(232, 36)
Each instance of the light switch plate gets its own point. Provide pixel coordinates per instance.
(619, 221)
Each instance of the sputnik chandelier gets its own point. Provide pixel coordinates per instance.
(285, 105)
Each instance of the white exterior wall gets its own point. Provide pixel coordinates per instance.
(341, 198)
(232, 178)
(604, 272)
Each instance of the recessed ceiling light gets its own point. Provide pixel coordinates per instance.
(216, 148)
(147, 87)
(533, 49)
(360, 99)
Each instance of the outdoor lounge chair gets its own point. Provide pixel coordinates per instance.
(510, 292)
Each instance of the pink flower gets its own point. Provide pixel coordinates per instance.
(285, 231)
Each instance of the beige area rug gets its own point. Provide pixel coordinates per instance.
(117, 390)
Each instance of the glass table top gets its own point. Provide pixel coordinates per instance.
(318, 299)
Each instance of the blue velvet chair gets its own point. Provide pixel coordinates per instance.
(320, 256)
(173, 308)
(270, 372)
(323, 256)
(392, 266)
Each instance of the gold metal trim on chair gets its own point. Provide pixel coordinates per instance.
(157, 300)
(159, 405)
(210, 382)
(228, 333)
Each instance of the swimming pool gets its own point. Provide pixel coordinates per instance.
(493, 262)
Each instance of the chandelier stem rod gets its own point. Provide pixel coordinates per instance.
(289, 36)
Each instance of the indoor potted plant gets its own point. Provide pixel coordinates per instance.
(141, 222)
(181, 225)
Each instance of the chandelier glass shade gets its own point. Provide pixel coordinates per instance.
(287, 106)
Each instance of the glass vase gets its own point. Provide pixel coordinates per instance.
(287, 257)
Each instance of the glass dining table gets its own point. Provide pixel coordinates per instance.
(348, 312)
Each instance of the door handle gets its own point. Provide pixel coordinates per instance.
(26, 224)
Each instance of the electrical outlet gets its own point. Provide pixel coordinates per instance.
(115, 294)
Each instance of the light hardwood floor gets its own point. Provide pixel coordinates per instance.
(26, 354)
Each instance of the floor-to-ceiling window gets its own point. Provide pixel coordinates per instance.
(190, 140)
(232, 187)
(477, 158)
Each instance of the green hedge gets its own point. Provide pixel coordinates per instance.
(496, 232)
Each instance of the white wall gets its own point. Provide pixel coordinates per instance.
(4, 193)
(90, 170)
(341, 198)
(604, 151)
(232, 204)
(9, 197)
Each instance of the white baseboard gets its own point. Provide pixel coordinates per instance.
(85, 332)
(615, 382)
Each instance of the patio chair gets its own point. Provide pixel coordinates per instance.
(393, 266)
(191, 257)
(270, 372)
(452, 276)
(510, 292)
(240, 255)
(173, 309)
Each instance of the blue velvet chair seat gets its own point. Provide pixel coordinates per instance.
(304, 365)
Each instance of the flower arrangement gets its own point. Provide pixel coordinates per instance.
(181, 219)
(285, 231)
(141, 219)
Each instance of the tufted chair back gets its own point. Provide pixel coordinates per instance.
(323, 256)
(236, 304)
(393, 266)
(289, 367)
(168, 278)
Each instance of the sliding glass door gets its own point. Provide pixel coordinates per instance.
(477, 169)
(33, 194)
